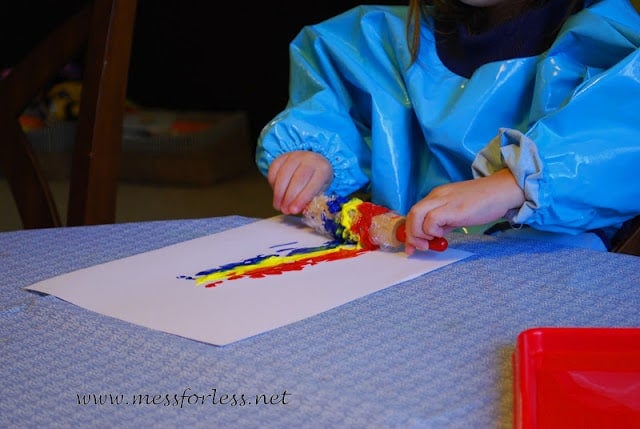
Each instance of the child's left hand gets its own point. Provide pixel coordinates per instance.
(467, 203)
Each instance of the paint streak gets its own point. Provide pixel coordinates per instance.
(350, 220)
(356, 217)
(276, 264)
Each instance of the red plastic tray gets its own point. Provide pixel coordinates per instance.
(577, 378)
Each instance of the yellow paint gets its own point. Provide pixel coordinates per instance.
(348, 215)
(271, 261)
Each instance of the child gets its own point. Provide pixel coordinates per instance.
(527, 111)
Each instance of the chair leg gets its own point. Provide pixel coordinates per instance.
(29, 187)
(96, 158)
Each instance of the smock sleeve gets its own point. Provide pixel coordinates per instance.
(340, 70)
(578, 162)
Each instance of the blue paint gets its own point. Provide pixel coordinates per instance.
(257, 259)
(283, 244)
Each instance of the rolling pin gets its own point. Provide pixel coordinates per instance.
(355, 221)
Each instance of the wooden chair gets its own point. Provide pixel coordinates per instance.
(104, 29)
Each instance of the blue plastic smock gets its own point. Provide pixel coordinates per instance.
(566, 122)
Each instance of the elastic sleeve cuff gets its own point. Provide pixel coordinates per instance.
(278, 139)
(513, 150)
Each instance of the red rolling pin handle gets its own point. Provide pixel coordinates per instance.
(439, 244)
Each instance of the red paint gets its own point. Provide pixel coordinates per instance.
(401, 233)
(362, 224)
(302, 263)
(362, 228)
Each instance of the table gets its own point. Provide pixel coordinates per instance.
(433, 352)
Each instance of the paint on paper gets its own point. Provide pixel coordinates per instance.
(286, 258)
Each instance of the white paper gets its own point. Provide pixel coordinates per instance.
(146, 290)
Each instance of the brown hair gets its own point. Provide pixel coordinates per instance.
(476, 19)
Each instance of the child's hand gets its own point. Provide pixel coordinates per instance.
(468, 203)
(296, 177)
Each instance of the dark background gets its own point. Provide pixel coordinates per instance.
(194, 54)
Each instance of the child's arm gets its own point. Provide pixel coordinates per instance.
(578, 160)
(338, 68)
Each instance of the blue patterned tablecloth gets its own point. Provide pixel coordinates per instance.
(434, 352)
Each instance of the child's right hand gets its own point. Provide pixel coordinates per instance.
(296, 177)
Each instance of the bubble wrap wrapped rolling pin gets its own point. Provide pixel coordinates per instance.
(368, 225)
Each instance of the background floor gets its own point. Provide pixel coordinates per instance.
(247, 195)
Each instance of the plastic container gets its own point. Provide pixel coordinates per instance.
(577, 378)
